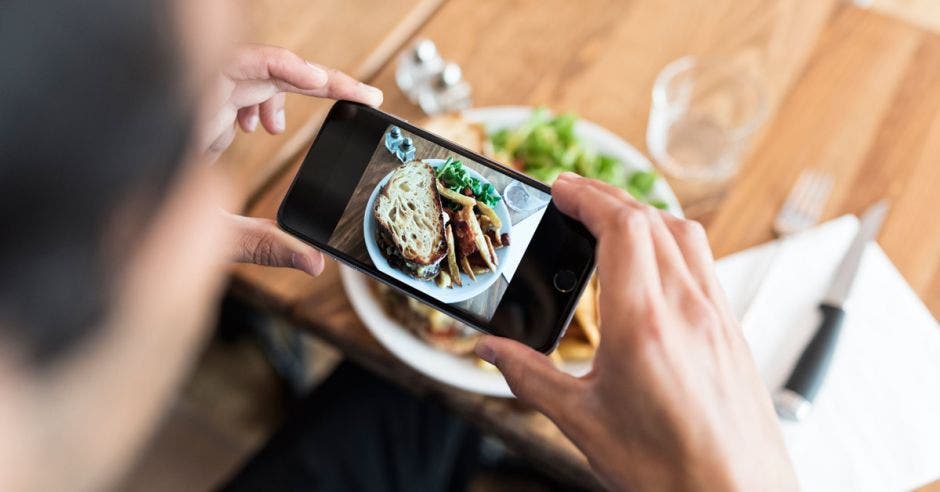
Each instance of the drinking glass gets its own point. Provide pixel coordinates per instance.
(703, 115)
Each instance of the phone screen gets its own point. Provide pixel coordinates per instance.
(476, 240)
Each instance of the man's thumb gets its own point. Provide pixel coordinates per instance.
(260, 241)
(531, 375)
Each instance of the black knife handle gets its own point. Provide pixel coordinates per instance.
(810, 370)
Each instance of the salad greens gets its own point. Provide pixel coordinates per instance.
(453, 175)
(547, 146)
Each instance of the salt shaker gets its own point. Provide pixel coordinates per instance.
(416, 66)
(393, 139)
(406, 150)
(446, 92)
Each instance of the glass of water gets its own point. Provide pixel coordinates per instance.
(704, 113)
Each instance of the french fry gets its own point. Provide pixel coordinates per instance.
(556, 358)
(442, 280)
(465, 264)
(482, 364)
(478, 237)
(486, 210)
(575, 350)
(452, 258)
(489, 245)
(463, 200)
(587, 315)
(484, 222)
(479, 270)
(494, 237)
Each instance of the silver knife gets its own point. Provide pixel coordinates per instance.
(795, 400)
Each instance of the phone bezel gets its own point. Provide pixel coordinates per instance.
(571, 297)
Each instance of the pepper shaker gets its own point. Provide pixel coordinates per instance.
(446, 92)
(393, 139)
(405, 151)
(416, 66)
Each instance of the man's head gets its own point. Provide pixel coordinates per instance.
(109, 258)
(96, 119)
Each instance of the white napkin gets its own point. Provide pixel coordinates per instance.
(522, 233)
(875, 424)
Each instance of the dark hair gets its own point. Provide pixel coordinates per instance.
(92, 106)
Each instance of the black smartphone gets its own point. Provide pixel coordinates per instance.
(472, 238)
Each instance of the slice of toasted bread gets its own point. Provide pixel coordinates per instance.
(409, 215)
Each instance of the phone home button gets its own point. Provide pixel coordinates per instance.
(565, 280)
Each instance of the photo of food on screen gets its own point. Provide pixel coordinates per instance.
(440, 222)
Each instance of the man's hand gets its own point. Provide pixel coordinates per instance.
(253, 87)
(251, 91)
(674, 400)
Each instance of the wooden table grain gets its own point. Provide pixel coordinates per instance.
(852, 92)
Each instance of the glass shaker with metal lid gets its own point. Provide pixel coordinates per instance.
(416, 66)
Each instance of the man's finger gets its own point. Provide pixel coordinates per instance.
(258, 62)
(342, 86)
(674, 271)
(693, 242)
(288, 72)
(272, 114)
(531, 376)
(260, 241)
(248, 118)
(596, 208)
(625, 247)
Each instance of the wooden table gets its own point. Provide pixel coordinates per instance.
(853, 93)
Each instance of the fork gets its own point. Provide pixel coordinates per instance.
(800, 211)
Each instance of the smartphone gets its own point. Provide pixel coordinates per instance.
(474, 239)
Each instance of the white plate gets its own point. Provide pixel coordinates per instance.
(463, 372)
(469, 288)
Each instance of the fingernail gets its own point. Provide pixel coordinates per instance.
(319, 74)
(567, 175)
(373, 95)
(280, 120)
(253, 122)
(485, 352)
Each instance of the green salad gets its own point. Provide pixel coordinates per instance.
(546, 146)
(453, 175)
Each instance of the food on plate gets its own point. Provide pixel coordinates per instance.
(476, 233)
(546, 146)
(474, 225)
(410, 221)
(427, 216)
(453, 176)
(454, 128)
(459, 199)
(429, 324)
(465, 265)
(490, 215)
(452, 257)
(587, 314)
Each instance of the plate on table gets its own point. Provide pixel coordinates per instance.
(470, 288)
(461, 371)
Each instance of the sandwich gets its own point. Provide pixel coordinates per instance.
(411, 233)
